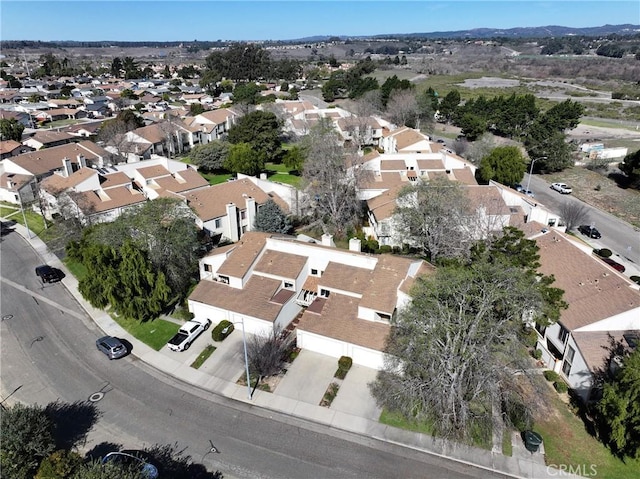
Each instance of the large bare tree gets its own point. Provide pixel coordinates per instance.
(573, 213)
(453, 352)
(332, 174)
(436, 218)
(403, 109)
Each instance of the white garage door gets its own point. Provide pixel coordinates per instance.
(320, 344)
(367, 357)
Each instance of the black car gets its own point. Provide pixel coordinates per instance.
(589, 231)
(48, 274)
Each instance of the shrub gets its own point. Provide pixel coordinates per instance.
(183, 314)
(344, 364)
(203, 356)
(222, 330)
(561, 386)
(537, 354)
(385, 248)
(603, 253)
(551, 376)
(529, 337)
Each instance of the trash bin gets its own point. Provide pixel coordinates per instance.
(532, 441)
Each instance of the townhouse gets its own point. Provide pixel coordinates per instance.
(227, 211)
(341, 300)
(602, 318)
(20, 175)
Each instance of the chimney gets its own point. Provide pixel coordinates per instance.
(354, 245)
(327, 240)
(66, 165)
(82, 161)
(251, 212)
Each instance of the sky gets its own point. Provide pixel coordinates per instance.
(172, 20)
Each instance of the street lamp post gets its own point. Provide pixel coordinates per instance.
(24, 217)
(531, 170)
(246, 361)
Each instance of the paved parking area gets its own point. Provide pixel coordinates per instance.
(227, 361)
(308, 377)
(354, 396)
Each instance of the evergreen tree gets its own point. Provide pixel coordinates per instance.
(26, 438)
(619, 408)
(271, 219)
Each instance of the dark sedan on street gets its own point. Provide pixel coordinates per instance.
(590, 231)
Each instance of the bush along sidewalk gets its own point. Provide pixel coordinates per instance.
(344, 364)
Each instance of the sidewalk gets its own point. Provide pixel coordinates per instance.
(353, 409)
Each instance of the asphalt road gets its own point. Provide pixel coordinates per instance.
(620, 237)
(48, 352)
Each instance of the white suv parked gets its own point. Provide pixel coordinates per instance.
(562, 188)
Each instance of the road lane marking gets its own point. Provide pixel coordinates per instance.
(35, 295)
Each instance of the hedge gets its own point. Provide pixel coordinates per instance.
(561, 386)
(551, 376)
(217, 334)
(603, 253)
(537, 354)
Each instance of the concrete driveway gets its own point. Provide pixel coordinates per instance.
(354, 396)
(308, 377)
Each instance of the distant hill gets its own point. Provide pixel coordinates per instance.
(476, 33)
(518, 32)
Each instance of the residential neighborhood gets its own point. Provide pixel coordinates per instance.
(328, 240)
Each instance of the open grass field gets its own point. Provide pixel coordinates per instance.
(620, 202)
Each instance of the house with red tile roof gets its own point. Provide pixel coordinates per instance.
(603, 306)
(344, 299)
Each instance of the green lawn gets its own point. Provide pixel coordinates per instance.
(154, 333)
(76, 268)
(35, 222)
(282, 174)
(566, 441)
(216, 178)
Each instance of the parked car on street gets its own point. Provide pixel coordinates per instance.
(614, 264)
(589, 231)
(528, 193)
(132, 460)
(47, 274)
(561, 188)
(518, 187)
(111, 346)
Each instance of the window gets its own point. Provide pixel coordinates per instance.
(324, 293)
(541, 329)
(568, 361)
(207, 267)
(314, 272)
(218, 223)
(224, 279)
(243, 214)
(288, 285)
(563, 334)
